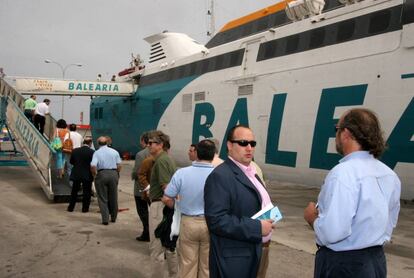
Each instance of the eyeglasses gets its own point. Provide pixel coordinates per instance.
(152, 142)
(244, 143)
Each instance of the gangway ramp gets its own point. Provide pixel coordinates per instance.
(33, 145)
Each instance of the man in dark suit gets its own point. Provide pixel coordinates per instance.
(81, 174)
(233, 194)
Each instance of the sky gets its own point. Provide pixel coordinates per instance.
(99, 34)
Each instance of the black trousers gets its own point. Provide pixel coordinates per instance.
(39, 123)
(86, 199)
(365, 263)
(142, 210)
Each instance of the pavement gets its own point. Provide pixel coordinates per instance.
(39, 238)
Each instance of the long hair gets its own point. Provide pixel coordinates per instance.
(366, 130)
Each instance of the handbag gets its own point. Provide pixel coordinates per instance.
(67, 145)
(56, 143)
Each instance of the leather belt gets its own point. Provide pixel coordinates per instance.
(107, 170)
(155, 200)
(266, 244)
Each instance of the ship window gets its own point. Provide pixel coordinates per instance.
(292, 44)
(270, 50)
(200, 96)
(156, 106)
(317, 37)
(187, 103)
(345, 30)
(204, 66)
(234, 59)
(100, 114)
(193, 68)
(245, 90)
(379, 21)
(96, 113)
(219, 62)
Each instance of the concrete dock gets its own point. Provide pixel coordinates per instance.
(39, 238)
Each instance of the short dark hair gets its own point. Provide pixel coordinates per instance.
(72, 127)
(87, 140)
(61, 124)
(364, 126)
(206, 150)
(230, 133)
(46, 100)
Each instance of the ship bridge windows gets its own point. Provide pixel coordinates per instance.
(317, 37)
(379, 21)
(345, 30)
(219, 62)
(292, 44)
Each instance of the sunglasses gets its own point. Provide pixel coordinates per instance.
(244, 143)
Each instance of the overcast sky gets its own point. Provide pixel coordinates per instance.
(100, 34)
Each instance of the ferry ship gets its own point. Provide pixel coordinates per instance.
(288, 71)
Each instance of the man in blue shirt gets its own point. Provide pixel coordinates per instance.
(358, 204)
(105, 167)
(187, 185)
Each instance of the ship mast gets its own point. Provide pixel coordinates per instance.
(210, 19)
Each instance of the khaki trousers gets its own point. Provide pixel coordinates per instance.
(193, 247)
(159, 254)
(264, 263)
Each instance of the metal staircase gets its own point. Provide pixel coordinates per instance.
(35, 147)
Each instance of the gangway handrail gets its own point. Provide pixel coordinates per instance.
(34, 146)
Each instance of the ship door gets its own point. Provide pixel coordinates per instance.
(250, 56)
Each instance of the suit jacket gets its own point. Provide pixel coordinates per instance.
(235, 239)
(81, 160)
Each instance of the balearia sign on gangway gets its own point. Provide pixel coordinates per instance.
(74, 87)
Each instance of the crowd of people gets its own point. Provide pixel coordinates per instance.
(198, 219)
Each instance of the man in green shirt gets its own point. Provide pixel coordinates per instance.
(161, 174)
(29, 107)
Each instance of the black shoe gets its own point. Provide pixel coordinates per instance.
(85, 210)
(70, 209)
(143, 238)
(113, 220)
(105, 223)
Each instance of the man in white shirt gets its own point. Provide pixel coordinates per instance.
(41, 110)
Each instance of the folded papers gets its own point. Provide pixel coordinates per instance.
(268, 212)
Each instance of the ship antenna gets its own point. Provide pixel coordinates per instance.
(211, 19)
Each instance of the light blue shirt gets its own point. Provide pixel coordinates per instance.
(358, 204)
(105, 158)
(189, 183)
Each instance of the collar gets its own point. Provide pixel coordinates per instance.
(251, 170)
(355, 155)
(202, 164)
